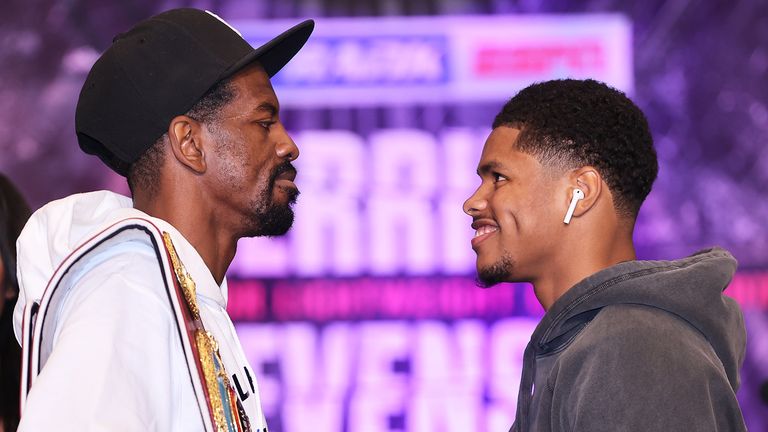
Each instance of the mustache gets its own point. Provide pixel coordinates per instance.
(287, 166)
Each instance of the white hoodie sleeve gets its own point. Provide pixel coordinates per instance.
(117, 363)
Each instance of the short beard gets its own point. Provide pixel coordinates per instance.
(500, 271)
(271, 218)
(275, 219)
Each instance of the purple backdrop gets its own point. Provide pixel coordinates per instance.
(356, 340)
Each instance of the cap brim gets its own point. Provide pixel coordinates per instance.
(276, 53)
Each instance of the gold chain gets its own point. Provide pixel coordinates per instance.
(185, 280)
(207, 347)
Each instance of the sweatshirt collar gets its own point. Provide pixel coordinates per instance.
(663, 284)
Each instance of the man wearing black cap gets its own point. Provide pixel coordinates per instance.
(122, 312)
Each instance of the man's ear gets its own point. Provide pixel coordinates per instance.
(185, 135)
(590, 182)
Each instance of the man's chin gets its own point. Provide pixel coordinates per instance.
(279, 226)
(276, 221)
(496, 273)
(486, 280)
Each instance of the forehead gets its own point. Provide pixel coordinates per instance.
(500, 147)
(500, 153)
(501, 141)
(253, 89)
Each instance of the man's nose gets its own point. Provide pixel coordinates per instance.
(475, 203)
(285, 147)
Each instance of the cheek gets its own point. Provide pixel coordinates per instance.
(259, 158)
(260, 173)
(524, 213)
(504, 209)
(510, 209)
(261, 181)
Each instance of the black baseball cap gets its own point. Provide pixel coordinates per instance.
(158, 70)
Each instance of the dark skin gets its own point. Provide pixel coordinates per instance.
(215, 176)
(518, 210)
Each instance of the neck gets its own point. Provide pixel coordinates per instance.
(580, 258)
(197, 223)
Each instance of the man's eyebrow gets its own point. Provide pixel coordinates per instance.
(268, 107)
(488, 167)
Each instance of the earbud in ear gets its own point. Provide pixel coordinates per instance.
(578, 194)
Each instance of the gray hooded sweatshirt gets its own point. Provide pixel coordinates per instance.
(640, 346)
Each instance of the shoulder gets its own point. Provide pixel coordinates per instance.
(636, 351)
(131, 260)
(630, 330)
(633, 348)
(122, 279)
(644, 368)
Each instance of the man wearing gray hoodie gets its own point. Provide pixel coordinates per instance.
(625, 345)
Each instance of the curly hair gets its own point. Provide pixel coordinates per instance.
(145, 172)
(573, 123)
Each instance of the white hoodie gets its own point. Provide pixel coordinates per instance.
(117, 361)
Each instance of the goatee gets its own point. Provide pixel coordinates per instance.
(272, 218)
(500, 271)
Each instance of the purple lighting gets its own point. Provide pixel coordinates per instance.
(366, 317)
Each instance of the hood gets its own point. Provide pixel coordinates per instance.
(690, 288)
(59, 227)
(53, 232)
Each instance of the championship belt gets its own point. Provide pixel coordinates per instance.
(227, 413)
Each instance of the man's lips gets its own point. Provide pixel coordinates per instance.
(484, 228)
(286, 177)
(289, 175)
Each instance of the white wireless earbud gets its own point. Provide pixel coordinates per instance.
(578, 194)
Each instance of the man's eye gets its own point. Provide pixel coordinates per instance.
(498, 177)
(266, 124)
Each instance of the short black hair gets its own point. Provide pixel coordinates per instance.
(145, 172)
(573, 123)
